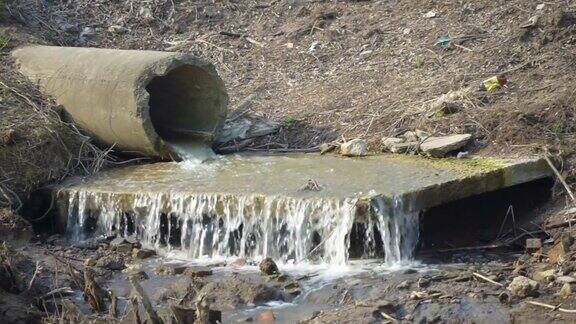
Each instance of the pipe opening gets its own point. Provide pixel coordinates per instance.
(186, 105)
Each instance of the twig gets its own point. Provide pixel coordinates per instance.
(62, 291)
(388, 317)
(561, 179)
(463, 47)
(487, 279)
(552, 307)
(38, 268)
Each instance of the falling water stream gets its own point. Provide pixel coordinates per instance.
(219, 226)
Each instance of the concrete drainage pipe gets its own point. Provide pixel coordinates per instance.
(139, 101)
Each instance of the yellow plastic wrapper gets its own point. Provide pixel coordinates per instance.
(491, 84)
(495, 82)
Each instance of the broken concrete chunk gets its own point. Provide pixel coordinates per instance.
(523, 287)
(355, 147)
(440, 146)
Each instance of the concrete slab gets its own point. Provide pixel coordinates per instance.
(280, 206)
(423, 182)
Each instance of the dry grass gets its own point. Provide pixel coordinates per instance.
(359, 69)
(36, 146)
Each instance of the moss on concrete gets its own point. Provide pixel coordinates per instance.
(463, 166)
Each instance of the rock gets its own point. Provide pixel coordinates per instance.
(112, 262)
(197, 272)
(440, 146)
(238, 263)
(234, 291)
(143, 253)
(523, 287)
(416, 295)
(566, 279)
(266, 317)
(504, 297)
(533, 245)
(90, 262)
(404, 284)
(141, 275)
(134, 241)
(404, 147)
(183, 314)
(86, 34)
(355, 147)
(422, 135)
(124, 248)
(430, 14)
(389, 142)
(170, 269)
(410, 136)
(565, 291)
(292, 288)
(118, 241)
(269, 267)
(545, 275)
(327, 147)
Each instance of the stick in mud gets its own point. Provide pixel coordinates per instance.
(552, 307)
(560, 178)
(477, 275)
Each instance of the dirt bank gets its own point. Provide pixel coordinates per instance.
(36, 146)
(323, 70)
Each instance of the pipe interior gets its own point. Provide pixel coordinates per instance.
(185, 104)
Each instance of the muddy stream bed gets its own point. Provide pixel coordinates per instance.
(291, 253)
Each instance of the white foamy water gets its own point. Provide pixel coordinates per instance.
(214, 227)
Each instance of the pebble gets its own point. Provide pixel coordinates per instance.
(565, 279)
(523, 287)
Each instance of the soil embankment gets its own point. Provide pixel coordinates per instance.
(323, 70)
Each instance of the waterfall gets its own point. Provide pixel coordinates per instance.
(220, 226)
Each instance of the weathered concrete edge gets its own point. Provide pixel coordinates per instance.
(510, 174)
